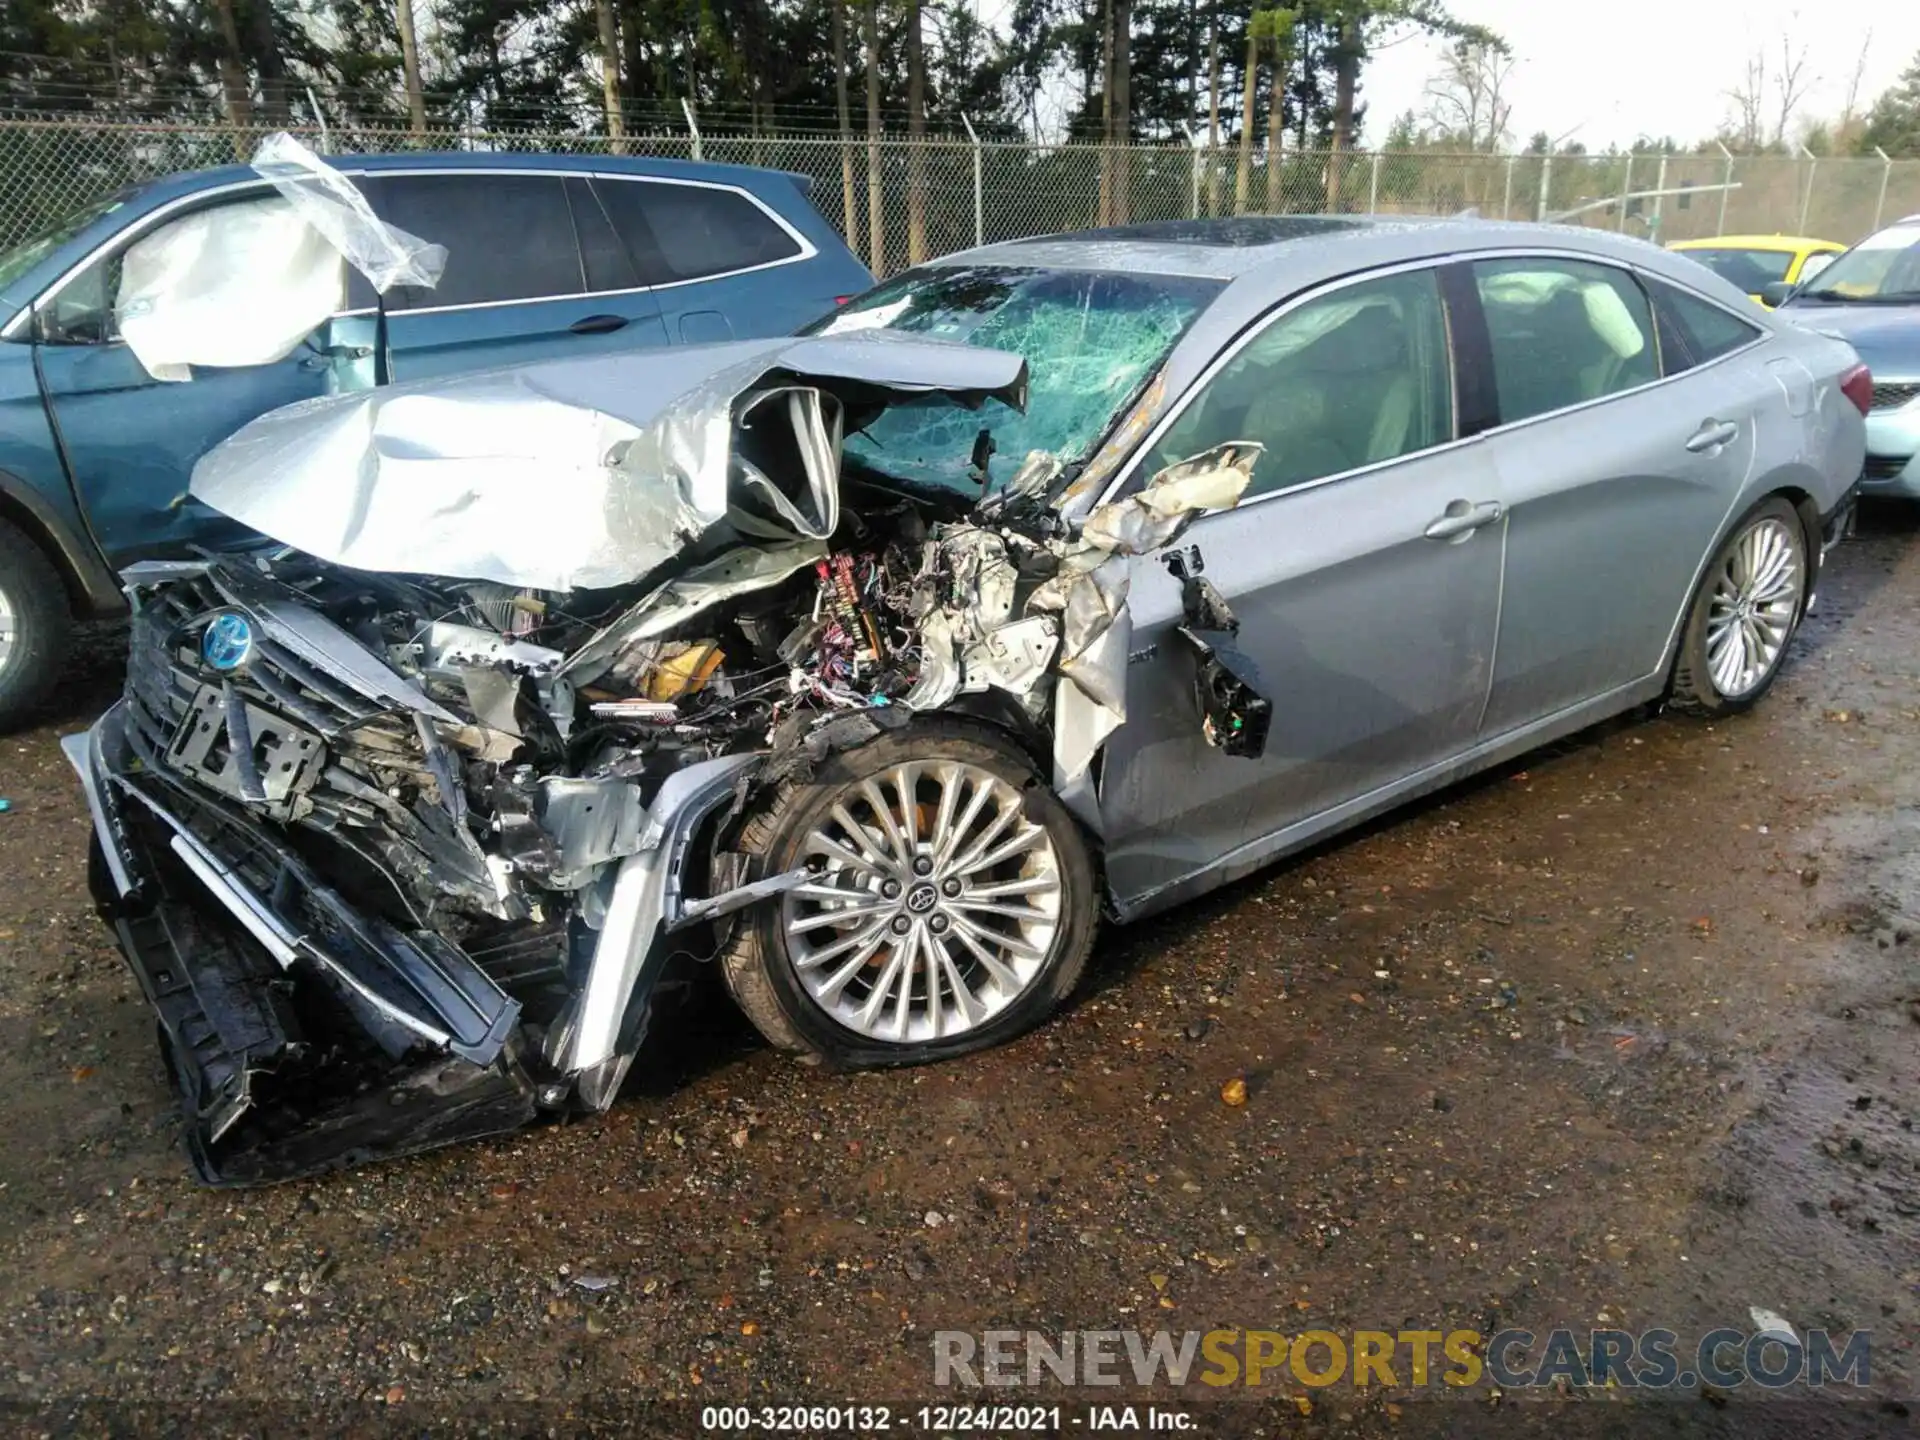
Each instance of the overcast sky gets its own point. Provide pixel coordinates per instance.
(1654, 67)
(1611, 73)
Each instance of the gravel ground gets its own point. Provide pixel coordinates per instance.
(1622, 1034)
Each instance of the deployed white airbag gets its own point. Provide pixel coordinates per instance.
(241, 284)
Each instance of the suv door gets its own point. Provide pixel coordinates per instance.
(129, 441)
(723, 264)
(1363, 565)
(1617, 479)
(533, 272)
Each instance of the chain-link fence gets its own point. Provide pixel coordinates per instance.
(959, 192)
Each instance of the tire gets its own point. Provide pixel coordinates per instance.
(33, 626)
(785, 960)
(1757, 613)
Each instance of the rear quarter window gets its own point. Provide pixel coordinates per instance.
(1694, 331)
(692, 232)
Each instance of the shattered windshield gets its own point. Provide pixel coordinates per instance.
(1090, 340)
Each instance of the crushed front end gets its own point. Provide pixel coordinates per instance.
(402, 858)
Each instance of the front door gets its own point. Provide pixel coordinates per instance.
(1363, 566)
(130, 441)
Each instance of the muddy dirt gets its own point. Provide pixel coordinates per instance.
(1624, 1034)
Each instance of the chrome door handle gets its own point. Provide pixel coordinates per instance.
(1711, 436)
(1463, 517)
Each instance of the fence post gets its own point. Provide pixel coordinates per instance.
(1659, 185)
(1546, 183)
(1506, 195)
(693, 126)
(1373, 186)
(1626, 189)
(1726, 188)
(1806, 200)
(1193, 146)
(979, 210)
(320, 119)
(1886, 174)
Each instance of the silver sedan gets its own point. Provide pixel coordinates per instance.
(1067, 576)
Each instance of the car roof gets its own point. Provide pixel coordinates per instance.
(1264, 254)
(747, 176)
(1758, 242)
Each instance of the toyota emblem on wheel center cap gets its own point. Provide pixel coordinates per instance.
(922, 898)
(227, 643)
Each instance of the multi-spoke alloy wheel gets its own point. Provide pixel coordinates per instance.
(1756, 597)
(1748, 607)
(951, 904)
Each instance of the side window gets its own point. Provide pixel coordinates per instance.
(461, 212)
(201, 259)
(1563, 332)
(1706, 331)
(1352, 378)
(608, 265)
(689, 232)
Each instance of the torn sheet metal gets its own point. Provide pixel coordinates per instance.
(334, 207)
(736, 572)
(632, 456)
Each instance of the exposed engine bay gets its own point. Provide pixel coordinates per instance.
(458, 827)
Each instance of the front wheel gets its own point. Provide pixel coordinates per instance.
(33, 626)
(1747, 609)
(953, 904)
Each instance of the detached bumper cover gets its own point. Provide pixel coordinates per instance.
(301, 1034)
(305, 1033)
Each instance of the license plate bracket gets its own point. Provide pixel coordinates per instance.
(287, 758)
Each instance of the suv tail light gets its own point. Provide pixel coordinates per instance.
(1856, 383)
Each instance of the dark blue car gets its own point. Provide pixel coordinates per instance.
(548, 256)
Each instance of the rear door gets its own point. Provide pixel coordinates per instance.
(723, 264)
(1619, 457)
(517, 287)
(1363, 566)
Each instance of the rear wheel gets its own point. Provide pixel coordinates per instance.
(1745, 614)
(953, 906)
(33, 626)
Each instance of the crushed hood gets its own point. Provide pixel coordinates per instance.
(583, 473)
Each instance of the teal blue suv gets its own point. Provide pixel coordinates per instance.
(549, 256)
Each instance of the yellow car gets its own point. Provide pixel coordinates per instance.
(1754, 262)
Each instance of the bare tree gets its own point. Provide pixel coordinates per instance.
(1120, 111)
(916, 138)
(233, 76)
(1790, 86)
(1749, 100)
(609, 71)
(1467, 103)
(850, 205)
(876, 218)
(1213, 107)
(1845, 131)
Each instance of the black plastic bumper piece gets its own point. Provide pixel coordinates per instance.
(273, 1080)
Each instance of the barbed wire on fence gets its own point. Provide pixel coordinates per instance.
(986, 190)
